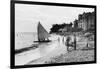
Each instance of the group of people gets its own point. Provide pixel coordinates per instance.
(68, 42)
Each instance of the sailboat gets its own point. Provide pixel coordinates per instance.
(43, 35)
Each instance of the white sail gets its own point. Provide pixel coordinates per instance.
(42, 33)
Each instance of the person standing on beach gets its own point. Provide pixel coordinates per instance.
(74, 42)
(59, 39)
(63, 39)
(67, 43)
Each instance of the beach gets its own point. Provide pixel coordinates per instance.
(56, 52)
(82, 54)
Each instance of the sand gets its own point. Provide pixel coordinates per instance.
(55, 52)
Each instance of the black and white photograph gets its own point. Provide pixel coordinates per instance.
(50, 34)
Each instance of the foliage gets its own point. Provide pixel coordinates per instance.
(55, 27)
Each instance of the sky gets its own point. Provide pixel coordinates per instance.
(27, 16)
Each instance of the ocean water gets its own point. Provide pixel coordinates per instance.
(24, 39)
